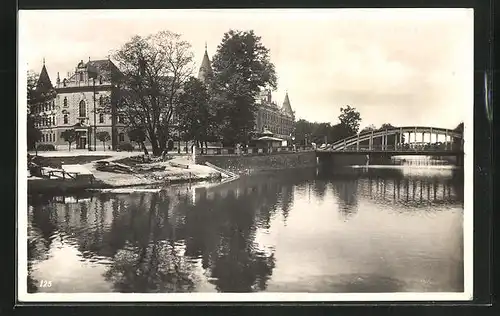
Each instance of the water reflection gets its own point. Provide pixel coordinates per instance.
(272, 232)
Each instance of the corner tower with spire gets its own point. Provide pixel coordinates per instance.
(205, 68)
(287, 108)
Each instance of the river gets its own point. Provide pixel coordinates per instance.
(356, 230)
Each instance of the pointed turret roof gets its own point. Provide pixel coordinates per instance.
(287, 108)
(205, 67)
(44, 84)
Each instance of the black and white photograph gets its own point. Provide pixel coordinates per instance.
(245, 155)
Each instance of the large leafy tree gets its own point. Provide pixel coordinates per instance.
(241, 68)
(33, 134)
(350, 119)
(155, 68)
(194, 113)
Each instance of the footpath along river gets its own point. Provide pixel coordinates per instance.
(377, 229)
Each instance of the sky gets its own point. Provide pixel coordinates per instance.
(400, 66)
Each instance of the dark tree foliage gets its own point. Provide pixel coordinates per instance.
(33, 134)
(137, 135)
(69, 136)
(241, 68)
(319, 133)
(104, 137)
(350, 118)
(195, 116)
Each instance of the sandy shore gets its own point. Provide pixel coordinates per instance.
(170, 174)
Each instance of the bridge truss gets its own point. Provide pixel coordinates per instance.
(354, 143)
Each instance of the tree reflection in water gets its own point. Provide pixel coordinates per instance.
(161, 241)
(149, 262)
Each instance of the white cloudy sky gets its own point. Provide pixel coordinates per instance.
(404, 67)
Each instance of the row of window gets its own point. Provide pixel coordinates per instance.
(46, 121)
(48, 137)
(51, 137)
(266, 116)
(65, 81)
(46, 106)
(65, 101)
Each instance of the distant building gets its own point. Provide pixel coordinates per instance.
(269, 116)
(278, 120)
(43, 106)
(72, 105)
(205, 67)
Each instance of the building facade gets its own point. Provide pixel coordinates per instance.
(269, 116)
(72, 106)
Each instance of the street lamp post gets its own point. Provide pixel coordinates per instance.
(92, 72)
(95, 122)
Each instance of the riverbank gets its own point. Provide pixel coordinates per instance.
(176, 170)
(241, 164)
(169, 174)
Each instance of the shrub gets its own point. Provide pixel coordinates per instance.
(125, 147)
(45, 147)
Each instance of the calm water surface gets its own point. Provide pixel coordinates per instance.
(378, 229)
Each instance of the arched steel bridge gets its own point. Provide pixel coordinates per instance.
(353, 143)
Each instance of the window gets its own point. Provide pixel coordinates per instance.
(83, 109)
(100, 100)
(101, 118)
(120, 118)
(43, 138)
(53, 120)
(65, 102)
(121, 137)
(100, 79)
(65, 118)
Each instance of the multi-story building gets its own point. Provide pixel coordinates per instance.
(269, 116)
(73, 106)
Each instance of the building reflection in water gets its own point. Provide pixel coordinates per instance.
(188, 239)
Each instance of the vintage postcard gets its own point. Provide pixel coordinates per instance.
(245, 155)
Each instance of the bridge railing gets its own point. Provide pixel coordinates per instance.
(398, 147)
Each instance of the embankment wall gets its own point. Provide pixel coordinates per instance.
(275, 161)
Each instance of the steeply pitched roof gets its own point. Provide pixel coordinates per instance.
(105, 68)
(44, 84)
(287, 108)
(205, 67)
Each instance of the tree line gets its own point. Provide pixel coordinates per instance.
(306, 132)
(160, 99)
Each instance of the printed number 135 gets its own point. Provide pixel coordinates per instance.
(45, 283)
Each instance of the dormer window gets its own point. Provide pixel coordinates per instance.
(81, 76)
